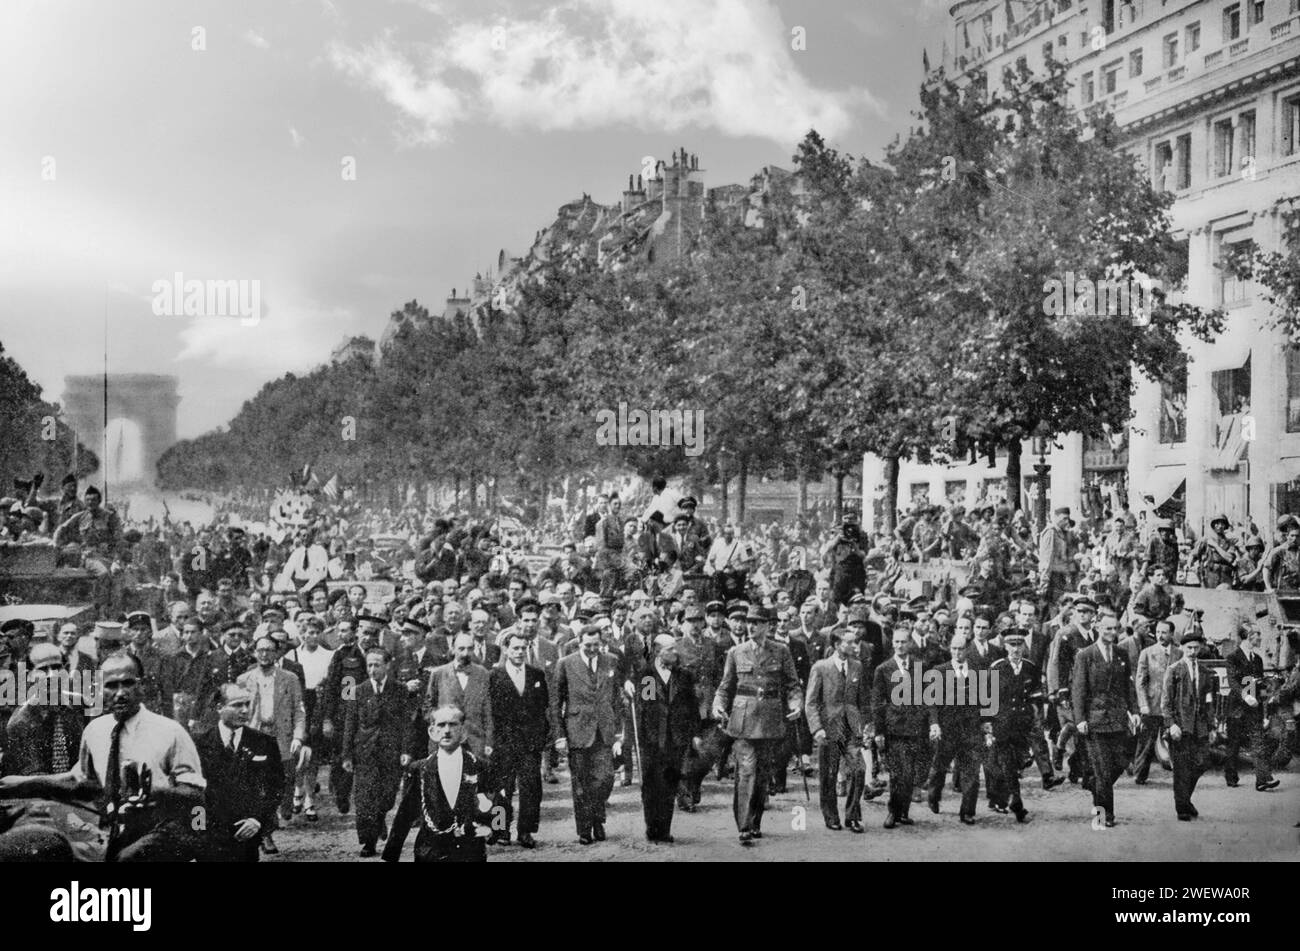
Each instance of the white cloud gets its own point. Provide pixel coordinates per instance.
(588, 64)
(253, 38)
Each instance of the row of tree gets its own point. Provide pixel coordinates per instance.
(32, 438)
(893, 307)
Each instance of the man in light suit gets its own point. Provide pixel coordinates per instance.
(836, 704)
(1187, 707)
(465, 684)
(1151, 666)
(587, 707)
(1105, 710)
(278, 709)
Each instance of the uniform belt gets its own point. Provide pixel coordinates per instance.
(759, 692)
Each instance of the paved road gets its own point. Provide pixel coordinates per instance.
(1235, 824)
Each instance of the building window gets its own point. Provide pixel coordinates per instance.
(1108, 15)
(1293, 389)
(1047, 52)
(920, 493)
(1063, 39)
(1291, 124)
(1088, 91)
(1246, 136)
(1183, 161)
(1232, 399)
(1222, 148)
(1193, 33)
(1170, 51)
(955, 492)
(1022, 64)
(1232, 289)
(1256, 12)
(1173, 408)
(1164, 167)
(1232, 23)
(1110, 79)
(1062, 5)
(1135, 63)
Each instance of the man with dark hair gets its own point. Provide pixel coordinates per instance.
(520, 701)
(837, 703)
(587, 710)
(279, 710)
(346, 671)
(374, 735)
(245, 780)
(1246, 711)
(1105, 706)
(1187, 707)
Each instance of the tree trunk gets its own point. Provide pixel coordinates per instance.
(1013, 474)
(741, 484)
(891, 495)
(723, 496)
(839, 496)
(803, 490)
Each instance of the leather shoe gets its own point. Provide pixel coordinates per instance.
(585, 839)
(934, 805)
(891, 821)
(905, 821)
(967, 820)
(499, 838)
(853, 825)
(1110, 822)
(746, 838)
(757, 833)
(1271, 784)
(527, 841)
(368, 852)
(550, 777)
(268, 845)
(598, 833)
(1184, 817)
(1192, 810)
(1023, 816)
(1233, 784)
(661, 839)
(1051, 782)
(835, 826)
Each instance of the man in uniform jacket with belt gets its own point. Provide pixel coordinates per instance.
(1105, 705)
(757, 698)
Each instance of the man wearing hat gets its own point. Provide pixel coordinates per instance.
(1162, 550)
(140, 645)
(1215, 555)
(1019, 686)
(697, 541)
(1069, 641)
(757, 698)
(1282, 565)
(695, 655)
(1246, 710)
(1054, 565)
(1187, 706)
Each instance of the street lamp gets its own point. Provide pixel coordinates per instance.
(1039, 446)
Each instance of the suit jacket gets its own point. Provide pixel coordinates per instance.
(961, 720)
(1037, 650)
(981, 661)
(1018, 694)
(1193, 711)
(491, 653)
(422, 800)
(668, 715)
(1151, 666)
(444, 687)
(588, 707)
(376, 728)
(1103, 694)
(1238, 669)
(521, 722)
(29, 739)
(697, 655)
(249, 786)
(288, 720)
(837, 704)
(659, 549)
(898, 708)
(1067, 643)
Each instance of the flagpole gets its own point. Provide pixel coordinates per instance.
(104, 463)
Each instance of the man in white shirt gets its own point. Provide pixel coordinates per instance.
(314, 659)
(306, 566)
(729, 562)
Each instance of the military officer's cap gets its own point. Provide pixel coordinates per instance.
(411, 624)
(234, 625)
(919, 603)
(68, 479)
(858, 615)
(858, 598)
(1084, 601)
(1192, 634)
(756, 612)
(372, 618)
(715, 607)
(737, 607)
(1014, 634)
(693, 613)
(970, 591)
(139, 619)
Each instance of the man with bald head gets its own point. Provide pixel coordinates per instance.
(465, 683)
(959, 733)
(485, 650)
(668, 720)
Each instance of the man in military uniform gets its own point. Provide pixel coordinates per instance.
(695, 655)
(1020, 691)
(97, 532)
(847, 559)
(1054, 557)
(1162, 550)
(347, 670)
(757, 696)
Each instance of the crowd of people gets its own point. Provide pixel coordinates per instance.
(452, 671)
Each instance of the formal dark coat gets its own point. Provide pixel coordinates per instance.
(448, 832)
(522, 723)
(1102, 694)
(248, 785)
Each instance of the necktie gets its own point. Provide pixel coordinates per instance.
(59, 761)
(1105, 652)
(592, 665)
(230, 745)
(113, 781)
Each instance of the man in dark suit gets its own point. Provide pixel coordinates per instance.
(374, 735)
(668, 720)
(1246, 711)
(465, 684)
(587, 709)
(836, 706)
(1036, 647)
(1187, 704)
(981, 652)
(44, 735)
(961, 732)
(521, 718)
(443, 794)
(901, 722)
(1104, 699)
(1066, 645)
(245, 781)
(1020, 691)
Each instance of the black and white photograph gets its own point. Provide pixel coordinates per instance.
(660, 432)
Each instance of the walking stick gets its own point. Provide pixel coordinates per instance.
(632, 762)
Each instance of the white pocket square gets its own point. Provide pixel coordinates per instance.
(259, 759)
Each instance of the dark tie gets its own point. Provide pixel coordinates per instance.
(230, 745)
(113, 781)
(59, 761)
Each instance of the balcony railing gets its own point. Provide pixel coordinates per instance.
(1177, 73)
(1282, 29)
(1152, 84)
(1212, 59)
(1239, 47)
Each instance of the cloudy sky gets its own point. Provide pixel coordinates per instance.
(148, 138)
